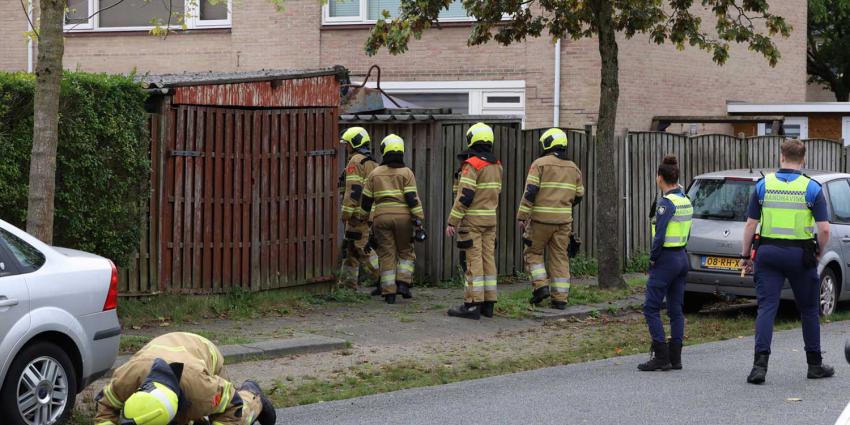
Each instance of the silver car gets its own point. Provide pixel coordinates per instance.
(59, 329)
(720, 211)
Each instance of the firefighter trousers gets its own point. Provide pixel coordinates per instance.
(240, 415)
(356, 239)
(394, 237)
(478, 259)
(555, 238)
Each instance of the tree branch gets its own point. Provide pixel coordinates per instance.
(95, 13)
(27, 14)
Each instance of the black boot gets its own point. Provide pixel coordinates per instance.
(377, 291)
(390, 298)
(539, 295)
(559, 305)
(660, 359)
(466, 311)
(675, 354)
(403, 290)
(267, 416)
(817, 369)
(487, 308)
(759, 371)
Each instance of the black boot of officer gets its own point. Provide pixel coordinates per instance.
(539, 295)
(487, 308)
(404, 290)
(268, 416)
(466, 311)
(817, 369)
(759, 371)
(377, 291)
(675, 354)
(660, 359)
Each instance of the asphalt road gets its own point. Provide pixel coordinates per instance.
(712, 389)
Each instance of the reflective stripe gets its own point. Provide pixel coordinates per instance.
(523, 208)
(373, 260)
(538, 271)
(367, 193)
(165, 401)
(675, 239)
(533, 179)
(348, 209)
(417, 210)
(785, 212)
(410, 189)
(405, 265)
(551, 185)
(354, 178)
(388, 278)
(478, 281)
(225, 398)
(560, 284)
(490, 283)
(456, 214)
(468, 181)
(784, 205)
(482, 212)
(394, 192)
(552, 210)
(213, 353)
(678, 218)
(490, 186)
(390, 204)
(110, 396)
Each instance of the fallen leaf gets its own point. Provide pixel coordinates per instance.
(795, 399)
(164, 324)
(137, 327)
(618, 350)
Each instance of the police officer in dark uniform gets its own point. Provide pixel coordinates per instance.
(668, 269)
(791, 209)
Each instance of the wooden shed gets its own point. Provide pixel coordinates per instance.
(243, 182)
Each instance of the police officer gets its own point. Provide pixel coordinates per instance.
(390, 196)
(176, 379)
(668, 269)
(357, 229)
(473, 218)
(553, 188)
(790, 208)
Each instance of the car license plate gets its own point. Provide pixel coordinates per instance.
(721, 263)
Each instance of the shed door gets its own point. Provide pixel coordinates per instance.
(250, 199)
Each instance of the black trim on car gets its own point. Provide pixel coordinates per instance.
(109, 333)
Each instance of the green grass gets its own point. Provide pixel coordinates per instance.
(639, 263)
(133, 343)
(237, 305)
(515, 304)
(583, 266)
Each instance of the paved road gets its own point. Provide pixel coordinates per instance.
(711, 390)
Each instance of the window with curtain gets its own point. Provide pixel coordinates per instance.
(374, 9)
(131, 14)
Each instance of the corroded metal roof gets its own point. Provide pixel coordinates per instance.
(211, 78)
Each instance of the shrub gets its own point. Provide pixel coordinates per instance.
(102, 161)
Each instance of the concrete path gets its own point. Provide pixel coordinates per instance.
(712, 389)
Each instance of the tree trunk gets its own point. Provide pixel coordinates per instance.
(608, 252)
(45, 132)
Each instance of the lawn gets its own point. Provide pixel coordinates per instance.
(515, 304)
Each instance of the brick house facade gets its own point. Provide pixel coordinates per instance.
(655, 80)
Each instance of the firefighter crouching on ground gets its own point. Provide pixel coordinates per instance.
(473, 218)
(553, 188)
(356, 228)
(176, 379)
(390, 196)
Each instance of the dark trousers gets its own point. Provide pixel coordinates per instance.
(773, 265)
(666, 280)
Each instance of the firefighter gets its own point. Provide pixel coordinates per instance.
(668, 269)
(553, 188)
(357, 229)
(390, 196)
(176, 379)
(794, 219)
(473, 218)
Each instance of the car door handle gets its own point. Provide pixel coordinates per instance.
(8, 302)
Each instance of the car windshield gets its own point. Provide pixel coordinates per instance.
(715, 199)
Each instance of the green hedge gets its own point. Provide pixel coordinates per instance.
(102, 165)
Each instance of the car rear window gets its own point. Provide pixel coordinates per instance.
(28, 257)
(716, 199)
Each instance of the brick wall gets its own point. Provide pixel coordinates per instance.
(825, 126)
(819, 93)
(13, 41)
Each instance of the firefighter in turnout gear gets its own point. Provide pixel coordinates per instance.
(668, 269)
(390, 198)
(355, 253)
(176, 379)
(473, 218)
(553, 187)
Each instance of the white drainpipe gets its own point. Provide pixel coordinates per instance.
(30, 30)
(556, 107)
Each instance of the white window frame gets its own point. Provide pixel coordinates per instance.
(327, 19)
(193, 20)
(845, 130)
(803, 122)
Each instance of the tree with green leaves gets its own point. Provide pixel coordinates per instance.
(828, 48)
(676, 21)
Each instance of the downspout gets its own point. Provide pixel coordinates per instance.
(556, 106)
(31, 32)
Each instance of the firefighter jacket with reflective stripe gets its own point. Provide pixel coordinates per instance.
(203, 392)
(358, 168)
(478, 185)
(679, 227)
(551, 188)
(390, 190)
(785, 212)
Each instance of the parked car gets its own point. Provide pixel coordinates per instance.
(720, 211)
(59, 329)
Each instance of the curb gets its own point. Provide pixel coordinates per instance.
(582, 311)
(270, 349)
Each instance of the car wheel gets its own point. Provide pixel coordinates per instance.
(828, 292)
(40, 388)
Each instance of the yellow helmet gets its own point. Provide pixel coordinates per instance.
(553, 137)
(356, 137)
(153, 404)
(479, 132)
(392, 143)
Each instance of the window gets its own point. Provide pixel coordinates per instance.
(457, 102)
(839, 200)
(716, 199)
(29, 258)
(129, 15)
(795, 127)
(369, 11)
